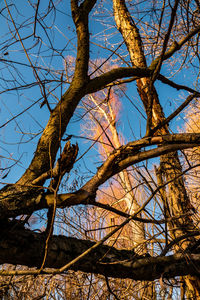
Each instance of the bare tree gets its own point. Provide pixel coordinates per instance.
(150, 39)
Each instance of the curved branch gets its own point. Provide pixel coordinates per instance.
(49, 142)
(15, 202)
(175, 47)
(103, 80)
(21, 246)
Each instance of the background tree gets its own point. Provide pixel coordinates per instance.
(143, 41)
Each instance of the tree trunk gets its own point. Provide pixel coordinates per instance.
(177, 197)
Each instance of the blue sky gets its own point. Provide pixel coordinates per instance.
(18, 139)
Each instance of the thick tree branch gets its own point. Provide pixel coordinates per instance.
(88, 5)
(49, 142)
(105, 79)
(15, 202)
(24, 247)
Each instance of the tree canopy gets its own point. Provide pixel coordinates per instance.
(100, 149)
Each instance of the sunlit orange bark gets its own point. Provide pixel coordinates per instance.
(109, 115)
(177, 197)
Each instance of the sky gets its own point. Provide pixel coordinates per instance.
(34, 120)
(19, 136)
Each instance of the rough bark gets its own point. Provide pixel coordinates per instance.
(49, 142)
(178, 200)
(104, 260)
(21, 246)
(17, 199)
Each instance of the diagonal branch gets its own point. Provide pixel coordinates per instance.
(175, 47)
(171, 83)
(106, 260)
(15, 202)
